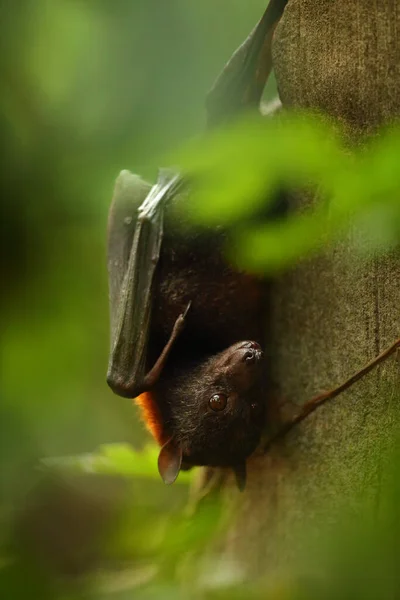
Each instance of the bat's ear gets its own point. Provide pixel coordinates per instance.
(170, 461)
(240, 474)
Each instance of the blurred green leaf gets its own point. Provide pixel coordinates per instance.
(116, 459)
(236, 168)
(237, 171)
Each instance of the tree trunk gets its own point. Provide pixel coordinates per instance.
(332, 314)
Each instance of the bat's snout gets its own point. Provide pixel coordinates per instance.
(242, 364)
(251, 353)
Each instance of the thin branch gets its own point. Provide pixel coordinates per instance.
(319, 400)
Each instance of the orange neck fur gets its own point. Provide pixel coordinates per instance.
(151, 416)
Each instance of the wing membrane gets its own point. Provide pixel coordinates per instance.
(134, 250)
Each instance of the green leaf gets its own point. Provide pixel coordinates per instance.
(115, 459)
(236, 171)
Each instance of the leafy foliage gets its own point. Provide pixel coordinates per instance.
(114, 459)
(238, 171)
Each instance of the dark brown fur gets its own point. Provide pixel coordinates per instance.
(226, 308)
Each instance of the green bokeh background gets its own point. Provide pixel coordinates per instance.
(88, 88)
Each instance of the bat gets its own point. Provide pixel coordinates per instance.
(186, 326)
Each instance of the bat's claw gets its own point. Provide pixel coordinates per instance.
(183, 315)
(180, 322)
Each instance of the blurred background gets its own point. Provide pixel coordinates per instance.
(89, 87)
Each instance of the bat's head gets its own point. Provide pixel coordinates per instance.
(216, 412)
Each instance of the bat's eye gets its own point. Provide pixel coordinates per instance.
(217, 402)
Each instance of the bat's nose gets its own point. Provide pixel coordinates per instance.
(253, 352)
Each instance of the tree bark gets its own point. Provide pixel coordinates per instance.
(331, 314)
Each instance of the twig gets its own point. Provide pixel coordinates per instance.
(312, 405)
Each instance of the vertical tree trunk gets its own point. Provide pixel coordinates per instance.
(331, 314)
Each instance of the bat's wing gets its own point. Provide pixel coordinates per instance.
(129, 193)
(242, 81)
(135, 232)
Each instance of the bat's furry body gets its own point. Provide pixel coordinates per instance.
(186, 326)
